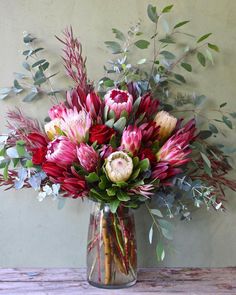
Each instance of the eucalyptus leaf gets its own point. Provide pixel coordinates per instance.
(152, 13)
(142, 44)
(204, 37)
(180, 24)
(201, 58)
(167, 54)
(186, 66)
(213, 47)
(160, 252)
(114, 47)
(167, 8)
(118, 34)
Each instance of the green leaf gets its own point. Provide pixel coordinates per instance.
(141, 61)
(120, 124)
(213, 47)
(37, 63)
(135, 174)
(152, 13)
(186, 66)
(26, 66)
(167, 54)
(180, 78)
(156, 212)
(223, 104)
(28, 38)
(31, 96)
(227, 122)
(201, 58)
(142, 44)
(213, 128)
(110, 123)
(112, 191)
(5, 172)
(167, 40)
(118, 34)
(209, 56)
(167, 8)
(206, 160)
(20, 147)
(29, 164)
(92, 177)
(108, 83)
(160, 251)
(203, 37)
(233, 115)
(144, 165)
(17, 85)
(180, 24)
(204, 134)
(44, 66)
(114, 205)
(122, 196)
(114, 47)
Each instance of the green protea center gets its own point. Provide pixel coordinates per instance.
(119, 166)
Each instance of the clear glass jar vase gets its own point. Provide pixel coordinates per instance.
(111, 249)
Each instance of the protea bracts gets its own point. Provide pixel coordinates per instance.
(87, 157)
(131, 140)
(166, 122)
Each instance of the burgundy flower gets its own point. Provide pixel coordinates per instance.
(37, 139)
(163, 170)
(106, 150)
(101, 134)
(147, 153)
(76, 98)
(150, 132)
(94, 106)
(53, 170)
(148, 106)
(119, 100)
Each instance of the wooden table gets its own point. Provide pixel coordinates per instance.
(150, 281)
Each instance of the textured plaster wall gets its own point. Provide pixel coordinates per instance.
(38, 234)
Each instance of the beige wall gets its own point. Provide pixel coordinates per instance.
(37, 234)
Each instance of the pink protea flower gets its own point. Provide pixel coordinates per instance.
(61, 151)
(150, 132)
(94, 106)
(56, 111)
(88, 157)
(76, 125)
(162, 171)
(131, 139)
(119, 100)
(176, 149)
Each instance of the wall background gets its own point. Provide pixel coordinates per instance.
(38, 234)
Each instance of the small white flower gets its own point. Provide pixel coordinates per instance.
(41, 196)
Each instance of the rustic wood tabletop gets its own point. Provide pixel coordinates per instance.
(71, 281)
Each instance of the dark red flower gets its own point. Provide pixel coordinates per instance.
(38, 155)
(53, 170)
(148, 105)
(38, 139)
(147, 153)
(101, 134)
(76, 98)
(94, 106)
(150, 132)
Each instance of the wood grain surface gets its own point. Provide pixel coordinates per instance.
(150, 281)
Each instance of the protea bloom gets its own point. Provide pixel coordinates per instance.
(145, 190)
(176, 149)
(76, 98)
(150, 132)
(94, 106)
(56, 111)
(76, 125)
(163, 170)
(88, 157)
(148, 105)
(131, 139)
(61, 151)
(119, 166)
(119, 100)
(53, 128)
(166, 122)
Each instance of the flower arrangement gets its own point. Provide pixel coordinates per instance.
(121, 143)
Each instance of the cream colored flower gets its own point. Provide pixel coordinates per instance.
(119, 166)
(166, 122)
(53, 128)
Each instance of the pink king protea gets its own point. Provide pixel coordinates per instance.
(61, 151)
(88, 157)
(76, 125)
(131, 139)
(119, 100)
(176, 149)
(56, 111)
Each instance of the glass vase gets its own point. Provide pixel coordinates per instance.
(111, 249)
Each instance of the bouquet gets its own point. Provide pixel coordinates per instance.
(120, 143)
